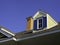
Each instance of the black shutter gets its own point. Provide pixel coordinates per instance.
(44, 22)
(35, 24)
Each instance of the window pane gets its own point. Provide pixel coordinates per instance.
(40, 23)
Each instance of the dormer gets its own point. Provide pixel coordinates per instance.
(41, 21)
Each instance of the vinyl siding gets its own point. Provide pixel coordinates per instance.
(50, 22)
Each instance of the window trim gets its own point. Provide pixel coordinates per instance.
(38, 23)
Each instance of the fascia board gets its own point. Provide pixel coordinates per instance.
(8, 35)
(35, 14)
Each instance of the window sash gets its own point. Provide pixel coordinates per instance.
(39, 23)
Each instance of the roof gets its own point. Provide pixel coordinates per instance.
(40, 12)
(5, 39)
(7, 31)
(27, 35)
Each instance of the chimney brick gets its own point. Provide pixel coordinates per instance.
(29, 23)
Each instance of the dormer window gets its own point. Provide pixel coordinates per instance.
(40, 23)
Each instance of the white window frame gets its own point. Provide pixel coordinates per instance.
(38, 23)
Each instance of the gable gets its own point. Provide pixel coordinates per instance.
(39, 14)
(50, 22)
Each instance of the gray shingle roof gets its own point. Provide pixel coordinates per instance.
(26, 35)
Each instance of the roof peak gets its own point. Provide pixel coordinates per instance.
(40, 12)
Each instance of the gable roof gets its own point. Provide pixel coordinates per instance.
(39, 12)
(50, 21)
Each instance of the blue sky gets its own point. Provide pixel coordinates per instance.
(13, 13)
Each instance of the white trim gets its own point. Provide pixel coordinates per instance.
(4, 33)
(36, 14)
(38, 23)
(7, 31)
(14, 38)
(47, 21)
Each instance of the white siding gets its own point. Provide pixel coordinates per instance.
(50, 22)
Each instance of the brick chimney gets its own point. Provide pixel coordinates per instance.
(29, 23)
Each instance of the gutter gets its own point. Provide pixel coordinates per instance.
(33, 36)
(5, 40)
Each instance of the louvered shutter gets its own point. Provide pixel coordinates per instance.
(35, 24)
(44, 22)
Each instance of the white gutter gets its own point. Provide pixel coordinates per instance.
(7, 31)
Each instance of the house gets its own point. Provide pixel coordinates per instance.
(42, 29)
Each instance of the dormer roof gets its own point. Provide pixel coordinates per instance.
(39, 13)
